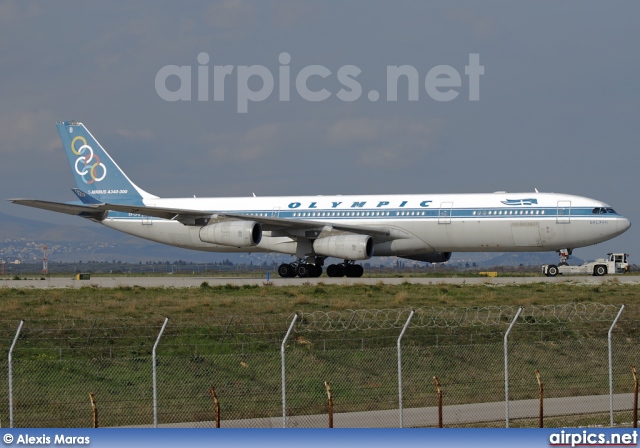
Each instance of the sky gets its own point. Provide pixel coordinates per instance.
(556, 107)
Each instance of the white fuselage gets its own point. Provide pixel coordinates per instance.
(425, 223)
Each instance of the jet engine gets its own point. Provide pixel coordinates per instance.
(347, 247)
(232, 233)
(435, 257)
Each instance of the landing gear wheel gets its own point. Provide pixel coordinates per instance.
(348, 268)
(354, 270)
(600, 270)
(304, 270)
(315, 271)
(285, 270)
(335, 270)
(552, 271)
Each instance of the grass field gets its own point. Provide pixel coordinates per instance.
(99, 340)
(257, 315)
(250, 300)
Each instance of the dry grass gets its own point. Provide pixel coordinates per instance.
(341, 304)
(401, 297)
(139, 302)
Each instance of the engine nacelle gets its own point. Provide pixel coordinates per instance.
(435, 257)
(347, 247)
(232, 233)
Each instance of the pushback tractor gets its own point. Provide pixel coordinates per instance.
(614, 264)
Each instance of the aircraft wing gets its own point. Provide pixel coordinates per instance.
(62, 207)
(187, 217)
(282, 223)
(201, 217)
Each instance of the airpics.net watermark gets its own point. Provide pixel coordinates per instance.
(255, 83)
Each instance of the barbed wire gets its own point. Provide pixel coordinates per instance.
(439, 317)
(230, 327)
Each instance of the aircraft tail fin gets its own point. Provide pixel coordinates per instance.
(94, 170)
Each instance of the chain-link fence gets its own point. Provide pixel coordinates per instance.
(56, 364)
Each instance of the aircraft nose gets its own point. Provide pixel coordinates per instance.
(623, 225)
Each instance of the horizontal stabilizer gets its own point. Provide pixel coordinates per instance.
(70, 209)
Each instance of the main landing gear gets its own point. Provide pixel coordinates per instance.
(348, 268)
(301, 269)
(309, 270)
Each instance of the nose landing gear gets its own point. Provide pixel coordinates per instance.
(565, 254)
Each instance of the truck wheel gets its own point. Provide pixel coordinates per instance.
(552, 271)
(599, 270)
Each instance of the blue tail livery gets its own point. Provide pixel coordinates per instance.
(94, 170)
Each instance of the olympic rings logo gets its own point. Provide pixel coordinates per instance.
(87, 156)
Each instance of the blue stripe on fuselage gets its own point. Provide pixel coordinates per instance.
(475, 213)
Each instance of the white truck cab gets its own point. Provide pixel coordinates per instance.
(616, 263)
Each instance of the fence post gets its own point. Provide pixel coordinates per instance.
(541, 410)
(635, 397)
(15, 339)
(216, 404)
(155, 380)
(439, 392)
(284, 390)
(329, 403)
(406, 324)
(94, 409)
(506, 367)
(609, 338)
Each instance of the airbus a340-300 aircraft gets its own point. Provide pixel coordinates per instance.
(423, 227)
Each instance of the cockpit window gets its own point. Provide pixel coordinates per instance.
(603, 210)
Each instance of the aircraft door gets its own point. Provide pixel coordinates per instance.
(564, 212)
(444, 214)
